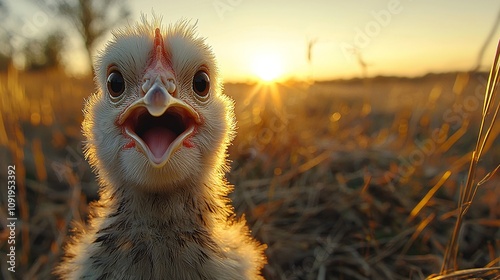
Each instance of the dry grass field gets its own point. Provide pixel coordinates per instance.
(354, 179)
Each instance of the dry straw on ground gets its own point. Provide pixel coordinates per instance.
(353, 179)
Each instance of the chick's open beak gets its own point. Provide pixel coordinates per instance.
(159, 123)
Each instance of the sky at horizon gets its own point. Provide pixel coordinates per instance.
(393, 37)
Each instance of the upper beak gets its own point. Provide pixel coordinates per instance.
(158, 96)
(158, 122)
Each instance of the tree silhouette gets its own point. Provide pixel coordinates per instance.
(91, 18)
(44, 54)
(5, 47)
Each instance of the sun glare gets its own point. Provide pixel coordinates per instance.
(268, 67)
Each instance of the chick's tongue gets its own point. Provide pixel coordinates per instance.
(158, 140)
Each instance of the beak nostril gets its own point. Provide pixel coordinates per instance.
(171, 88)
(169, 85)
(146, 85)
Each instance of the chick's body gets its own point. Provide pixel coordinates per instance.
(157, 131)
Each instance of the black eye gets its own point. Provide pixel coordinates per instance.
(116, 83)
(201, 83)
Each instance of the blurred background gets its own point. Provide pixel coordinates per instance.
(319, 41)
(356, 125)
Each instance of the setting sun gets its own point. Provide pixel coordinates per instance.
(268, 67)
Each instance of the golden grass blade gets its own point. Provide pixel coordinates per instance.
(428, 196)
(423, 224)
(489, 175)
(469, 191)
(467, 273)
